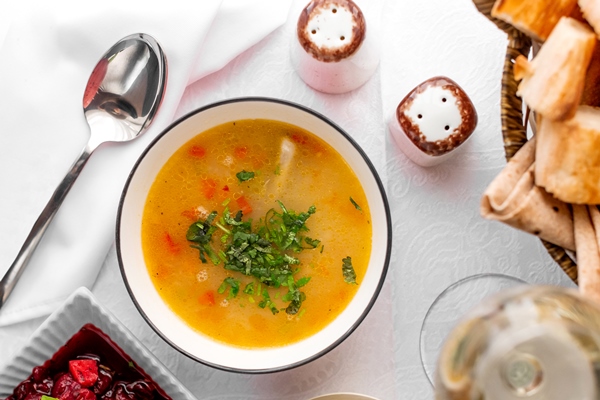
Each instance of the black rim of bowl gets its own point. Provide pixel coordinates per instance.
(383, 198)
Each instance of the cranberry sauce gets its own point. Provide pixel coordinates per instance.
(90, 366)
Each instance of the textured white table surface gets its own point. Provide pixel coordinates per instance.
(439, 237)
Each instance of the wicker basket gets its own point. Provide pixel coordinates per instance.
(514, 130)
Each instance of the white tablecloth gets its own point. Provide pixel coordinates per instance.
(439, 236)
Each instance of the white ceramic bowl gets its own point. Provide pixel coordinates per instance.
(167, 324)
(79, 309)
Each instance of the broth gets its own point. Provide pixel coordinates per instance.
(290, 165)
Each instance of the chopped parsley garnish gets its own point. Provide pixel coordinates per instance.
(200, 233)
(294, 296)
(265, 253)
(249, 289)
(283, 229)
(245, 175)
(355, 204)
(234, 287)
(267, 303)
(348, 270)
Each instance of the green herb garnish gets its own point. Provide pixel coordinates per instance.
(44, 397)
(355, 204)
(267, 303)
(234, 287)
(348, 270)
(295, 296)
(249, 289)
(265, 253)
(200, 233)
(284, 229)
(244, 175)
(313, 243)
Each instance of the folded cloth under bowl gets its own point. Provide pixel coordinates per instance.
(48, 53)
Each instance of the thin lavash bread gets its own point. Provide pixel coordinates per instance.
(514, 199)
(587, 240)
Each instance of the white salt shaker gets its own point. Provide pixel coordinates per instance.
(432, 121)
(333, 52)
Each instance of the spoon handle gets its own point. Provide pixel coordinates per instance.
(10, 278)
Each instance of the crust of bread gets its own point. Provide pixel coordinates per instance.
(552, 83)
(567, 157)
(522, 68)
(591, 12)
(535, 18)
(591, 87)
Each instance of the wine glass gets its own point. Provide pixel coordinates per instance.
(533, 342)
(450, 305)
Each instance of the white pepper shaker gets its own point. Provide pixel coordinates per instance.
(333, 52)
(432, 121)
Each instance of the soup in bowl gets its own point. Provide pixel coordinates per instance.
(254, 235)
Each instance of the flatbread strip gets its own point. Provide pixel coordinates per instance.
(514, 199)
(587, 229)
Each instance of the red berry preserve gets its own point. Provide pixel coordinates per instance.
(90, 366)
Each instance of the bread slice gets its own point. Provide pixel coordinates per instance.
(535, 18)
(591, 12)
(591, 88)
(552, 83)
(567, 157)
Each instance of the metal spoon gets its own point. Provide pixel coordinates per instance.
(120, 100)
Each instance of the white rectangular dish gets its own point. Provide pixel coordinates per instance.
(79, 309)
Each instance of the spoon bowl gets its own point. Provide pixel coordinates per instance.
(120, 101)
(125, 89)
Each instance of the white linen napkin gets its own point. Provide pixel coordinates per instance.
(45, 61)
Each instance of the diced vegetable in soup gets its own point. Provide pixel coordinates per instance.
(257, 233)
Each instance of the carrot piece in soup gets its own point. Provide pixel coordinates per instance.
(244, 205)
(171, 245)
(299, 138)
(192, 215)
(209, 187)
(259, 160)
(240, 152)
(208, 298)
(197, 151)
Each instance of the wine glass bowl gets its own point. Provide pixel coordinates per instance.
(454, 301)
(534, 342)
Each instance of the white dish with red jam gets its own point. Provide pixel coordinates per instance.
(82, 352)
